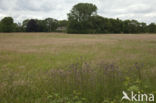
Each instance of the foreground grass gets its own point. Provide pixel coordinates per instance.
(61, 68)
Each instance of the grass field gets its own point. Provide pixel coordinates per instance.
(68, 68)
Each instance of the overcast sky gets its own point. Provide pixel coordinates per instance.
(141, 10)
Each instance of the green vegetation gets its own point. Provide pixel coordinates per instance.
(82, 19)
(7, 24)
(64, 68)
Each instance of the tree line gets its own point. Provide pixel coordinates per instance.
(83, 18)
(31, 25)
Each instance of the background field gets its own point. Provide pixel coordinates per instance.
(55, 67)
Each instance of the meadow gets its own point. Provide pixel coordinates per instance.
(75, 68)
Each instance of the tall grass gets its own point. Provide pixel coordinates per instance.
(43, 68)
(79, 82)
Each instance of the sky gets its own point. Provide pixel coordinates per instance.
(141, 10)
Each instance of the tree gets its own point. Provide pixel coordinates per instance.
(24, 25)
(62, 23)
(79, 16)
(42, 26)
(0, 27)
(51, 24)
(152, 28)
(98, 24)
(7, 24)
(82, 12)
(142, 28)
(131, 26)
(17, 27)
(32, 26)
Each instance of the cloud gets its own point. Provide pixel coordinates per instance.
(34, 5)
(141, 10)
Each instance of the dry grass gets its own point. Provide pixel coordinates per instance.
(34, 64)
(38, 42)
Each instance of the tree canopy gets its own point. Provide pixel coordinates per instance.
(32, 26)
(83, 18)
(7, 24)
(82, 12)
